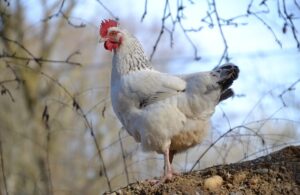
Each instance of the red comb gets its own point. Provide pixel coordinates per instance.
(105, 24)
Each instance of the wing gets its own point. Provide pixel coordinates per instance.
(149, 86)
(201, 95)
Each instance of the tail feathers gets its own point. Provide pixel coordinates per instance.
(226, 94)
(226, 74)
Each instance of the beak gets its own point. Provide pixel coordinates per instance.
(102, 40)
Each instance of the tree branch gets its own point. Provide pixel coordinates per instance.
(61, 13)
(221, 137)
(80, 111)
(145, 11)
(108, 10)
(3, 168)
(289, 18)
(165, 16)
(290, 88)
(124, 157)
(225, 52)
(40, 60)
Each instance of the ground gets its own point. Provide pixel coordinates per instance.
(276, 173)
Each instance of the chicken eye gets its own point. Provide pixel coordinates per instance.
(112, 33)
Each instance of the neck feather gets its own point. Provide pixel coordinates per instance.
(130, 56)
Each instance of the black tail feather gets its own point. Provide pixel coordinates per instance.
(227, 73)
(226, 94)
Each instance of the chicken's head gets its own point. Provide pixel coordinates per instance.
(110, 34)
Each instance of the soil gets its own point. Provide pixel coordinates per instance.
(276, 173)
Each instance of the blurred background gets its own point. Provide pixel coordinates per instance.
(58, 133)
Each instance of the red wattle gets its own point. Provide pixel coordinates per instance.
(108, 45)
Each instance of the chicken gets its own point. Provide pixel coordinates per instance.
(165, 113)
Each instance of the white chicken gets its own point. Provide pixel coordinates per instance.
(166, 113)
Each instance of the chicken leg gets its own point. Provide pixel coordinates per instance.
(168, 158)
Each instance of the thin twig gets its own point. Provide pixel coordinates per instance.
(145, 11)
(197, 57)
(123, 157)
(23, 48)
(268, 148)
(208, 19)
(194, 29)
(108, 10)
(3, 168)
(289, 17)
(39, 60)
(60, 12)
(89, 126)
(9, 81)
(5, 90)
(67, 18)
(225, 51)
(179, 17)
(48, 159)
(297, 5)
(255, 105)
(113, 143)
(165, 16)
(71, 55)
(263, 123)
(217, 140)
(290, 88)
(255, 14)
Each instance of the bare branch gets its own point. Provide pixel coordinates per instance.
(109, 11)
(123, 157)
(289, 18)
(225, 52)
(179, 16)
(60, 12)
(221, 137)
(255, 14)
(290, 88)
(297, 5)
(3, 168)
(45, 118)
(40, 60)
(145, 11)
(97, 104)
(268, 27)
(196, 56)
(165, 16)
(89, 126)
(5, 90)
(208, 19)
(71, 55)
(23, 48)
(255, 106)
(268, 148)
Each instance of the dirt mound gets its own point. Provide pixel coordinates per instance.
(276, 173)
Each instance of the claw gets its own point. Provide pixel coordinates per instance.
(169, 172)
